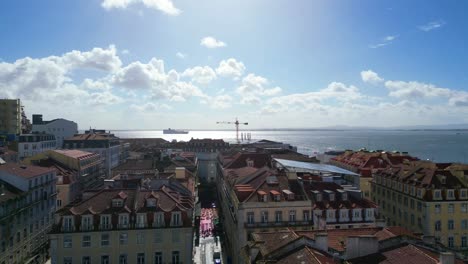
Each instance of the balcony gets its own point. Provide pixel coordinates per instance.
(105, 227)
(67, 228)
(87, 228)
(277, 224)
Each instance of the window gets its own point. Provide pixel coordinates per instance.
(464, 207)
(67, 241)
(464, 224)
(141, 220)
(292, 216)
(306, 216)
(59, 203)
(105, 222)
(450, 224)
(86, 223)
(123, 259)
(175, 257)
(123, 238)
(176, 219)
(117, 203)
(158, 236)
(278, 216)
(450, 194)
(86, 260)
(250, 218)
(264, 218)
(159, 219)
(140, 238)
(105, 240)
(105, 259)
(451, 208)
(437, 195)
(463, 242)
(419, 206)
(357, 213)
(450, 241)
(86, 241)
(158, 259)
(67, 224)
(438, 226)
(141, 258)
(67, 260)
(123, 220)
(437, 208)
(412, 219)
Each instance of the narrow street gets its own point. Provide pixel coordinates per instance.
(209, 249)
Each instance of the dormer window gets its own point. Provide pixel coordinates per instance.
(68, 223)
(443, 180)
(105, 222)
(151, 202)
(463, 193)
(159, 219)
(276, 195)
(262, 196)
(176, 219)
(141, 220)
(117, 202)
(86, 222)
(450, 194)
(288, 194)
(437, 195)
(250, 163)
(123, 220)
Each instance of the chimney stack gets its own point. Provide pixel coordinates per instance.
(447, 258)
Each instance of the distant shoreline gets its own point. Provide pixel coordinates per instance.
(310, 129)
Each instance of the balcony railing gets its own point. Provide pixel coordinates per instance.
(87, 228)
(278, 224)
(105, 226)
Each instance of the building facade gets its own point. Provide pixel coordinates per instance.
(10, 116)
(425, 197)
(27, 205)
(60, 128)
(33, 144)
(100, 142)
(125, 226)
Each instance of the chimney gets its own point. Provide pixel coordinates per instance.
(180, 173)
(359, 246)
(321, 241)
(447, 258)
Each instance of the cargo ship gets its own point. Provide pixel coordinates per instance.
(174, 131)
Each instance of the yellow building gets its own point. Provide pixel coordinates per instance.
(426, 197)
(125, 226)
(10, 116)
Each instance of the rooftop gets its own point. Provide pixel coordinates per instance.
(312, 167)
(25, 171)
(73, 153)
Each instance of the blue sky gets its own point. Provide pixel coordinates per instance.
(141, 64)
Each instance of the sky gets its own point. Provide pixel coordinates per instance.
(153, 64)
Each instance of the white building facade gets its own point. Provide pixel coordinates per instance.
(60, 128)
(32, 144)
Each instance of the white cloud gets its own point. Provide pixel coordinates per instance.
(202, 75)
(104, 98)
(230, 68)
(212, 43)
(89, 84)
(370, 76)
(166, 6)
(414, 89)
(254, 86)
(221, 102)
(97, 58)
(150, 107)
(432, 25)
(152, 77)
(125, 52)
(384, 42)
(181, 55)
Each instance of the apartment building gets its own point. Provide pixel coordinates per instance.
(257, 194)
(10, 116)
(60, 128)
(100, 142)
(361, 245)
(31, 144)
(365, 163)
(425, 197)
(125, 226)
(27, 205)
